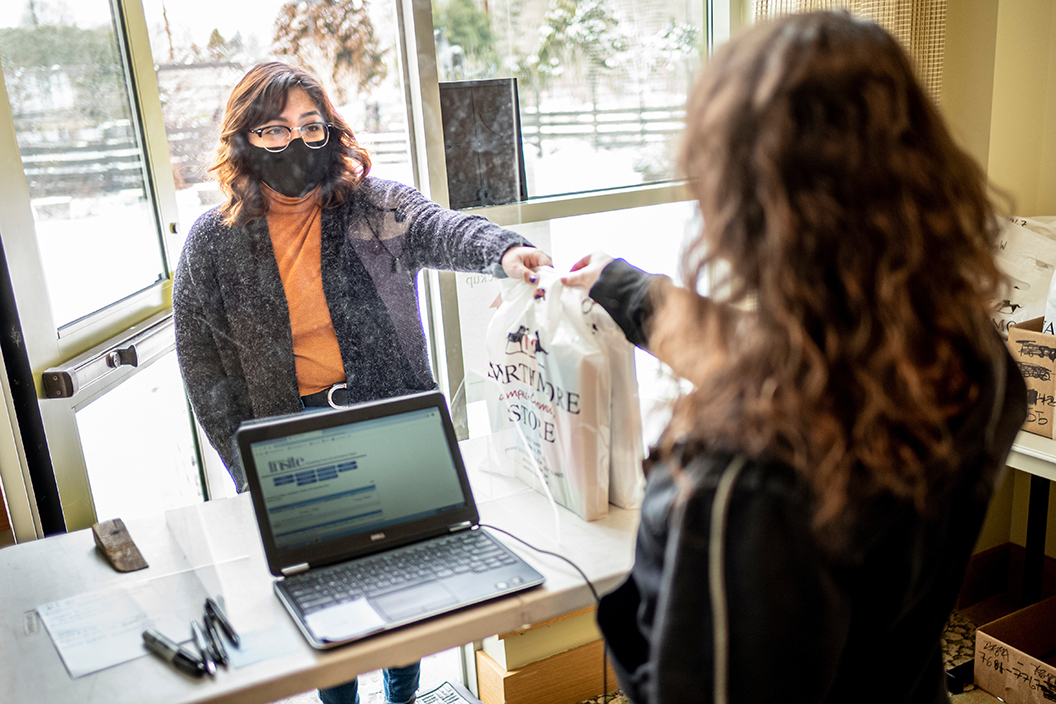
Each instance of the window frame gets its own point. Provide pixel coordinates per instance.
(416, 56)
(48, 345)
(421, 86)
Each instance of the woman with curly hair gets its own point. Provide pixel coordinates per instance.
(812, 505)
(300, 290)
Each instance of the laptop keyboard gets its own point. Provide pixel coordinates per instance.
(468, 552)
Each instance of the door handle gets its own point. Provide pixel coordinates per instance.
(124, 356)
(137, 346)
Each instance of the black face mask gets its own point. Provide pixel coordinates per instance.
(294, 171)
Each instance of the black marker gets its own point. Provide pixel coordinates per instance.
(211, 607)
(203, 647)
(219, 651)
(173, 654)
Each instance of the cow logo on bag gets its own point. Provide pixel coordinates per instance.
(520, 342)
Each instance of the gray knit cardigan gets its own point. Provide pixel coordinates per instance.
(233, 336)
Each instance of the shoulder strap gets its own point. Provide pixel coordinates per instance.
(716, 576)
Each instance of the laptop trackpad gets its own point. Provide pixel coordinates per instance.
(414, 601)
(344, 621)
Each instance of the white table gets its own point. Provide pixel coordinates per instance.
(223, 533)
(1034, 454)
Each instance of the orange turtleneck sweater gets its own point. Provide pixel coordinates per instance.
(295, 225)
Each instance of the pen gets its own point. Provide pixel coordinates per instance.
(173, 654)
(214, 608)
(203, 647)
(219, 651)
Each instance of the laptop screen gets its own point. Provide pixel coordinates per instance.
(331, 485)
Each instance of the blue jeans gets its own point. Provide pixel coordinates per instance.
(400, 685)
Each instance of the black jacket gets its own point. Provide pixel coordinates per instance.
(802, 626)
(233, 336)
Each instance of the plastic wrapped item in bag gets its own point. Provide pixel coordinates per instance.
(627, 449)
(549, 394)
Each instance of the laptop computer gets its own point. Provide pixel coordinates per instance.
(368, 520)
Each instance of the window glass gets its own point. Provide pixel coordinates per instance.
(202, 48)
(602, 84)
(139, 446)
(82, 152)
(649, 238)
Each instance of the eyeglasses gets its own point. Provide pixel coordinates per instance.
(275, 138)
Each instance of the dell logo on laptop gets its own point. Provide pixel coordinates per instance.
(376, 537)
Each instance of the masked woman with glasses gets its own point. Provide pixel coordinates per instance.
(300, 289)
(812, 505)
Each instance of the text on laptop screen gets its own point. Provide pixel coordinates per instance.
(326, 484)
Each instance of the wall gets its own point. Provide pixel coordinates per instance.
(999, 94)
(999, 98)
(1006, 519)
(997, 526)
(1023, 115)
(968, 73)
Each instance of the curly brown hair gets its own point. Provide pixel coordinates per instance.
(258, 97)
(861, 239)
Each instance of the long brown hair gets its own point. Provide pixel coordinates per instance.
(861, 238)
(258, 97)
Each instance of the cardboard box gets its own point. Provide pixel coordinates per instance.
(1035, 352)
(1015, 655)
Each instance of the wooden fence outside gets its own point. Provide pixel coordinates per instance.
(115, 165)
(606, 129)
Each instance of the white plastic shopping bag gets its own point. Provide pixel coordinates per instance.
(627, 447)
(550, 397)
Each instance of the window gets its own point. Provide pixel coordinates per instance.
(138, 445)
(83, 155)
(114, 107)
(602, 84)
(201, 49)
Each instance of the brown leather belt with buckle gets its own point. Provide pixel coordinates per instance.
(334, 397)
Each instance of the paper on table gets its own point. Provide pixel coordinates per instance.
(97, 630)
(353, 618)
(89, 629)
